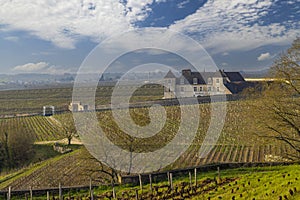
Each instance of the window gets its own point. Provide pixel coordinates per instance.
(182, 81)
(195, 89)
(195, 81)
(169, 81)
(217, 80)
(218, 89)
(209, 81)
(182, 89)
(200, 89)
(209, 89)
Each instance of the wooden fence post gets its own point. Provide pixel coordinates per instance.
(31, 196)
(195, 171)
(150, 180)
(219, 175)
(9, 193)
(59, 191)
(113, 190)
(171, 181)
(136, 194)
(48, 195)
(90, 185)
(190, 177)
(141, 183)
(91, 190)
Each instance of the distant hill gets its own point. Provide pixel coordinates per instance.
(255, 74)
(33, 80)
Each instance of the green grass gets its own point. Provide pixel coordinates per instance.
(45, 151)
(244, 183)
(261, 183)
(272, 177)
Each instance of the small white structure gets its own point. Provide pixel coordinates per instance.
(45, 110)
(77, 106)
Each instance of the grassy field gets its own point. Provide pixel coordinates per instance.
(280, 182)
(242, 183)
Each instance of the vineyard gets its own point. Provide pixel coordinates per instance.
(239, 128)
(42, 128)
(22, 102)
(233, 153)
(276, 182)
(77, 168)
(70, 169)
(239, 142)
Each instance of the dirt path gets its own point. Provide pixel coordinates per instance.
(62, 141)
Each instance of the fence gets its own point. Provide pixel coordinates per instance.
(163, 102)
(137, 180)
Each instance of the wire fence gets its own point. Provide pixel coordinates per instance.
(61, 192)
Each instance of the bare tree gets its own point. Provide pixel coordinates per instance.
(278, 109)
(108, 174)
(70, 130)
(70, 134)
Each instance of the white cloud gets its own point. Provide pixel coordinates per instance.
(161, 1)
(11, 38)
(264, 56)
(183, 3)
(64, 22)
(232, 25)
(221, 25)
(41, 67)
(31, 67)
(137, 10)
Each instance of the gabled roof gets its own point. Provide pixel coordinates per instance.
(202, 77)
(170, 75)
(190, 78)
(237, 87)
(234, 76)
(207, 75)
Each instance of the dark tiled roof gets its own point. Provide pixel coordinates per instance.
(190, 78)
(202, 77)
(237, 87)
(234, 76)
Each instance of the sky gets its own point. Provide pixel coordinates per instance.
(49, 36)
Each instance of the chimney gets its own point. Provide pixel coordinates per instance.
(186, 72)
